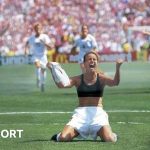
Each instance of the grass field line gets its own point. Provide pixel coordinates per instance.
(63, 123)
(69, 112)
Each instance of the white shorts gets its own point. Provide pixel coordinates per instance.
(43, 60)
(88, 121)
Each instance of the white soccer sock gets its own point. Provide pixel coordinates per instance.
(43, 77)
(58, 135)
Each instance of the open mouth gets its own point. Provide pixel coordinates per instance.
(92, 65)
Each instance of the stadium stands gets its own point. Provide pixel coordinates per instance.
(108, 21)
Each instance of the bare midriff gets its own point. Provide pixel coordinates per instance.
(90, 101)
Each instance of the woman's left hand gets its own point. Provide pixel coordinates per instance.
(119, 62)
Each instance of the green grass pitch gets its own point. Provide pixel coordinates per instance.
(128, 106)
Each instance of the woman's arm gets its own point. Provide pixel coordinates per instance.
(60, 77)
(71, 84)
(115, 81)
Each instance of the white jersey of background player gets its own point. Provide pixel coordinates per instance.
(38, 44)
(85, 43)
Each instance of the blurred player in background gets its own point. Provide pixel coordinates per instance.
(85, 43)
(89, 118)
(147, 32)
(38, 44)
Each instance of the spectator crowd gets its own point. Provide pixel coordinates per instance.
(109, 21)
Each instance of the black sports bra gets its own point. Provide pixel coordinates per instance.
(94, 90)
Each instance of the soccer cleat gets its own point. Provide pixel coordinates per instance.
(42, 87)
(54, 138)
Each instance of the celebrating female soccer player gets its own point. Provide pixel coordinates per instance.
(89, 118)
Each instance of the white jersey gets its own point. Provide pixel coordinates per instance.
(85, 45)
(36, 46)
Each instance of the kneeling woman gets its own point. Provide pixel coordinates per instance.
(89, 118)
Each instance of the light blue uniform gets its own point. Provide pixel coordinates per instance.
(85, 45)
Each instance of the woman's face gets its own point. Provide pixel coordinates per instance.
(91, 62)
(38, 29)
